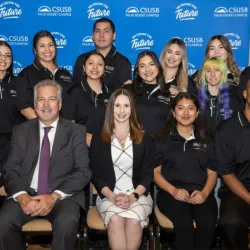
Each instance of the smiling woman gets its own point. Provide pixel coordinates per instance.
(43, 67)
(148, 88)
(185, 175)
(9, 101)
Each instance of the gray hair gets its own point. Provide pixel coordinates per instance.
(48, 82)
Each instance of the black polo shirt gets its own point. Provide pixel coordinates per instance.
(152, 106)
(9, 104)
(233, 148)
(86, 107)
(214, 111)
(244, 77)
(117, 69)
(35, 73)
(191, 87)
(184, 162)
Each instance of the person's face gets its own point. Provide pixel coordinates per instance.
(173, 56)
(5, 58)
(103, 36)
(185, 112)
(122, 109)
(147, 69)
(47, 105)
(213, 76)
(45, 50)
(94, 67)
(216, 49)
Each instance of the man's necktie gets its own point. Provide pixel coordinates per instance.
(43, 175)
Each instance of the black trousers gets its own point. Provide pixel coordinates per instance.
(234, 221)
(183, 215)
(64, 218)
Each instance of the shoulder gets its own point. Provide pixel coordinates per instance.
(226, 126)
(25, 126)
(122, 58)
(246, 71)
(64, 72)
(80, 58)
(27, 69)
(72, 126)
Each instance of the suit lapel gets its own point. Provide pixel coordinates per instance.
(35, 141)
(58, 141)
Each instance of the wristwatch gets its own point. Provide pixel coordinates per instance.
(55, 197)
(136, 195)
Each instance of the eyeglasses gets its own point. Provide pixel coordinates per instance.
(7, 57)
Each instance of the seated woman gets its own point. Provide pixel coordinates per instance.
(174, 62)
(219, 46)
(86, 103)
(218, 100)
(185, 176)
(148, 88)
(122, 162)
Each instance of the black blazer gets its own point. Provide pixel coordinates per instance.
(69, 164)
(102, 166)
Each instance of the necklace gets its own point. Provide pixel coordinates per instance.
(122, 140)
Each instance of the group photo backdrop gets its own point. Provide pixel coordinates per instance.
(140, 25)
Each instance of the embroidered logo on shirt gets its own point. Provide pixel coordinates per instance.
(199, 146)
(66, 78)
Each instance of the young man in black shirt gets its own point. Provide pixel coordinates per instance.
(117, 66)
(233, 160)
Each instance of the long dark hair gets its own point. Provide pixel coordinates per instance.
(40, 34)
(9, 71)
(138, 80)
(199, 123)
(136, 132)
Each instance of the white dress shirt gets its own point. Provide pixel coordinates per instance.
(51, 136)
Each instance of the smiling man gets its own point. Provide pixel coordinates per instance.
(117, 66)
(45, 174)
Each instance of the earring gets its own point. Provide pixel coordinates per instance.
(84, 73)
(103, 75)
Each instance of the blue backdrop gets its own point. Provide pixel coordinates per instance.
(146, 24)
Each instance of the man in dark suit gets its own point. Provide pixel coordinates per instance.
(45, 174)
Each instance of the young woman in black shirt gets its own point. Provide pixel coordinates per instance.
(148, 88)
(86, 103)
(9, 103)
(185, 175)
(43, 67)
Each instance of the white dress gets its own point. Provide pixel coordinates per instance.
(123, 167)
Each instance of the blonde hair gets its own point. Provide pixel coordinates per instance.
(182, 72)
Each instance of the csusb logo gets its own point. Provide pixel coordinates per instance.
(10, 10)
(17, 67)
(68, 67)
(98, 10)
(234, 40)
(142, 12)
(191, 69)
(142, 41)
(15, 40)
(186, 11)
(61, 41)
(231, 12)
(54, 11)
(193, 41)
(87, 41)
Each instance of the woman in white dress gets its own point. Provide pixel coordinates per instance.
(122, 162)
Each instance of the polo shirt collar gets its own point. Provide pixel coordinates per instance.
(242, 119)
(111, 53)
(39, 66)
(86, 87)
